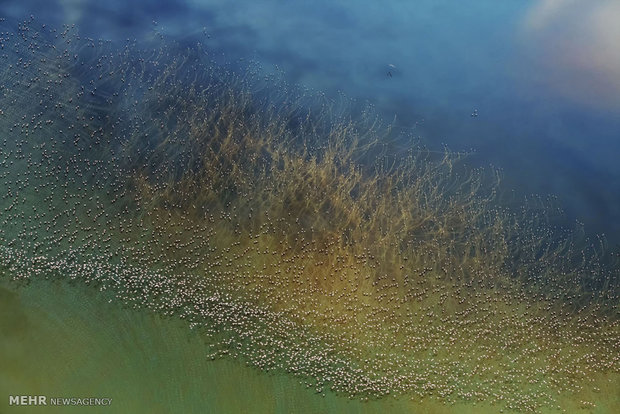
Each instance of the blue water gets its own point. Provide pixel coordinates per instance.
(542, 76)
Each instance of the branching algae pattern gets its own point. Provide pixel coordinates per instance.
(286, 230)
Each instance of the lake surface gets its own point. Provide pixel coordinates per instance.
(146, 363)
(530, 88)
(542, 76)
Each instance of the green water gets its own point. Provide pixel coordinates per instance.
(67, 341)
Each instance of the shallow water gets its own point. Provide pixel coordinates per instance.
(62, 341)
(68, 342)
(402, 278)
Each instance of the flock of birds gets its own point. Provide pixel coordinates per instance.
(286, 233)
